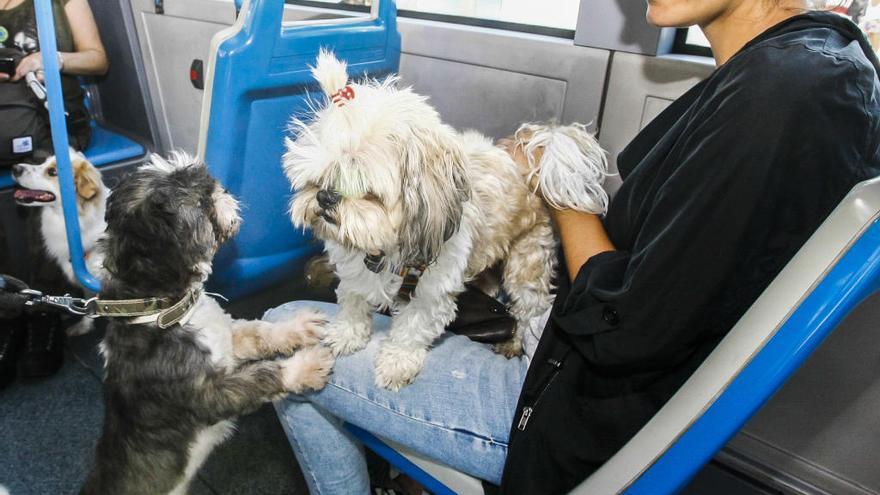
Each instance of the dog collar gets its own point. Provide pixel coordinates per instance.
(160, 310)
(409, 273)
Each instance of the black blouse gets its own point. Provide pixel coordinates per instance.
(719, 192)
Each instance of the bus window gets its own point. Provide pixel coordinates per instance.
(515, 15)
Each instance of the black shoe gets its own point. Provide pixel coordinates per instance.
(44, 346)
(11, 335)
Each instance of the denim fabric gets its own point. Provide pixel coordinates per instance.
(458, 410)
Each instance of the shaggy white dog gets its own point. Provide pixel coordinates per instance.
(410, 210)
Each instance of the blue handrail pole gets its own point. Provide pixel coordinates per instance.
(58, 123)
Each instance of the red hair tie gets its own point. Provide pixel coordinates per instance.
(340, 97)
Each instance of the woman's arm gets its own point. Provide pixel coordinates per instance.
(89, 57)
(582, 234)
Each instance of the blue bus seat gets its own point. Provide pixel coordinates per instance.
(831, 274)
(257, 78)
(106, 148)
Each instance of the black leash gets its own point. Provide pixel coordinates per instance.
(16, 297)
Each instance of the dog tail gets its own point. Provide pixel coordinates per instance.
(330, 73)
(572, 169)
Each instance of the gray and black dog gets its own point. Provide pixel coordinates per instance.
(171, 393)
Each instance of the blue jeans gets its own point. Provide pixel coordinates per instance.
(458, 410)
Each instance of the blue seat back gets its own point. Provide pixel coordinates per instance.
(258, 77)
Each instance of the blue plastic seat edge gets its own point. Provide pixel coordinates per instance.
(853, 278)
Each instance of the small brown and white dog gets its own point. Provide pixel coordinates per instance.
(410, 210)
(37, 186)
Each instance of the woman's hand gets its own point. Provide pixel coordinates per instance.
(31, 63)
(582, 235)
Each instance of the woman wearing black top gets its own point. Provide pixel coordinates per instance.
(719, 192)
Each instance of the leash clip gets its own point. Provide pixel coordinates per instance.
(73, 305)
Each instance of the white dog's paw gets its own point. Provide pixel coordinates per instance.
(510, 348)
(308, 369)
(82, 327)
(304, 329)
(345, 337)
(397, 367)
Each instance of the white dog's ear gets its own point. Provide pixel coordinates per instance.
(434, 187)
(330, 72)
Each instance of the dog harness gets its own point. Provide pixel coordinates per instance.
(409, 273)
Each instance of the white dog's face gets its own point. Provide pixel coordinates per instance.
(37, 184)
(380, 174)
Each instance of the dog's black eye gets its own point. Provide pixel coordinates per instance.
(53, 172)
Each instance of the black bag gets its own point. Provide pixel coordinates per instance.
(24, 122)
(482, 318)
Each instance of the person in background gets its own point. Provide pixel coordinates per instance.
(80, 53)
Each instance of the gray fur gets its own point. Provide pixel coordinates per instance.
(433, 190)
(161, 387)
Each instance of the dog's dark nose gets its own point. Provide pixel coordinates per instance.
(17, 170)
(327, 199)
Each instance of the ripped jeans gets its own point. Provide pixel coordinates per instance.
(458, 410)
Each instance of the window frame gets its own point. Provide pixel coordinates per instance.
(680, 46)
(447, 18)
(330, 6)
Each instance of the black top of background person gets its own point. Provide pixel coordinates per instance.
(719, 192)
(18, 30)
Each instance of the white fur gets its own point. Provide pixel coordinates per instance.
(200, 449)
(417, 191)
(176, 159)
(91, 216)
(572, 169)
(52, 227)
(330, 73)
(214, 331)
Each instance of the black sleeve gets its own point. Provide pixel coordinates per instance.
(638, 309)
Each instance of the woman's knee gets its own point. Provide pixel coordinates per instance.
(286, 310)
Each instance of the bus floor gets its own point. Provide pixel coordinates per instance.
(49, 428)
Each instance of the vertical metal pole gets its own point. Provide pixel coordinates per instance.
(49, 50)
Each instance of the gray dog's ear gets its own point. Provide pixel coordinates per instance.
(434, 187)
